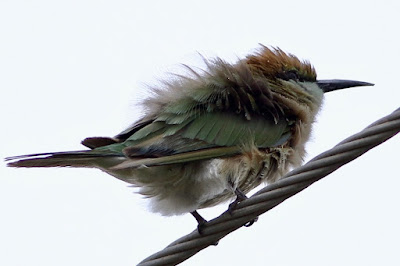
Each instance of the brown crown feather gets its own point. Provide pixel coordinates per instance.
(274, 63)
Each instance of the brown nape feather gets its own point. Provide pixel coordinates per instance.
(240, 91)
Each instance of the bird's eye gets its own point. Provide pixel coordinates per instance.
(291, 75)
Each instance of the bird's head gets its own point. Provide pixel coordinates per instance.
(277, 65)
(295, 79)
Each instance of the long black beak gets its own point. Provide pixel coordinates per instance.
(338, 84)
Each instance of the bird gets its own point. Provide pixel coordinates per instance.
(212, 135)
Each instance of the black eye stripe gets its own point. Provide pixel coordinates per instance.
(291, 75)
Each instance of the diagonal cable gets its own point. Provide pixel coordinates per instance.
(272, 195)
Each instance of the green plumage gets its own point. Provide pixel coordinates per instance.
(209, 130)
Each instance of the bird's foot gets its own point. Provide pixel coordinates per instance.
(240, 196)
(201, 222)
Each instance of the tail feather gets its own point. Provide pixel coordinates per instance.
(57, 159)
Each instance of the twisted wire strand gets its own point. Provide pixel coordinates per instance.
(272, 195)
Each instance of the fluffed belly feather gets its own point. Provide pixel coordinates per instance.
(181, 188)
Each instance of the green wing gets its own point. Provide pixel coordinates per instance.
(179, 138)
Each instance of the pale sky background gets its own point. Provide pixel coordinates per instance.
(73, 69)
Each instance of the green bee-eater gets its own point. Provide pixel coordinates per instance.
(212, 136)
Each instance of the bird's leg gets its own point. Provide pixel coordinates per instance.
(201, 222)
(240, 196)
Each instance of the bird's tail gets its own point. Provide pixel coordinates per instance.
(60, 159)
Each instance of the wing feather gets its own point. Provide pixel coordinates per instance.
(206, 136)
